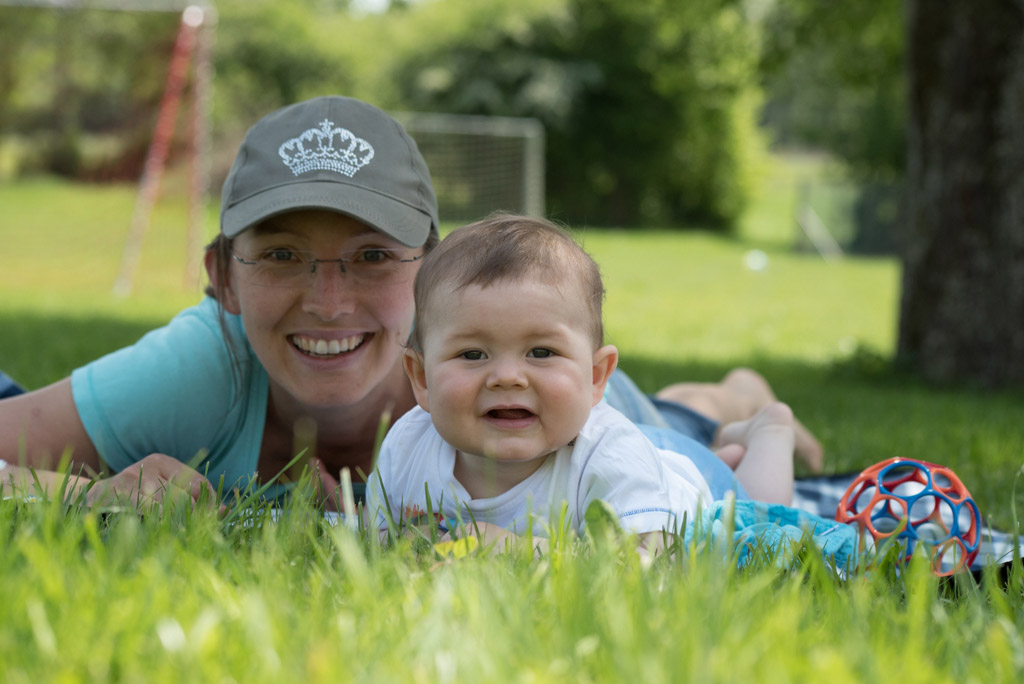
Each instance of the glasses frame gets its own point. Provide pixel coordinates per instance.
(341, 261)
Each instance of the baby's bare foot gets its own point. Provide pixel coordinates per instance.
(750, 386)
(775, 416)
(766, 467)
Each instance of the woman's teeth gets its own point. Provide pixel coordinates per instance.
(321, 347)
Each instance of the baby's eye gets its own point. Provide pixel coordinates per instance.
(540, 353)
(472, 355)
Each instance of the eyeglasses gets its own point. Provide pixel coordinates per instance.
(288, 267)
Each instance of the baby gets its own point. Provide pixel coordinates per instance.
(508, 366)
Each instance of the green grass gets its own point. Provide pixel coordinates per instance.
(181, 596)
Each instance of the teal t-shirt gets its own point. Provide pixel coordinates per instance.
(174, 392)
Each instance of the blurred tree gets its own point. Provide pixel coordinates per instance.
(649, 107)
(833, 75)
(962, 309)
(80, 87)
(69, 75)
(273, 53)
(16, 30)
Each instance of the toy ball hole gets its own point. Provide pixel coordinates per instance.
(965, 519)
(927, 506)
(931, 532)
(941, 480)
(863, 500)
(908, 489)
(894, 475)
(947, 512)
(887, 524)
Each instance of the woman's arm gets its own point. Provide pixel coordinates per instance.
(21, 482)
(37, 428)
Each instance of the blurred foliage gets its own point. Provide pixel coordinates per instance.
(272, 53)
(834, 79)
(68, 74)
(650, 108)
(834, 72)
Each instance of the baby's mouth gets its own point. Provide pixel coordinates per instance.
(320, 348)
(510, 414)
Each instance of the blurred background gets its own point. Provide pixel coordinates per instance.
(618, 113)
(884, 129)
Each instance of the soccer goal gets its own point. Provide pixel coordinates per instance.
(481, 164)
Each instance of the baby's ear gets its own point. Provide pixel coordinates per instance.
(417, 373)
(606, 359)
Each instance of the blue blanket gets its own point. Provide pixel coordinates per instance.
(774, 529)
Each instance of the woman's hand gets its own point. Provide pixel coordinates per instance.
(156, 479)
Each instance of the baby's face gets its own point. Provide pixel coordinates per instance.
(509, 369)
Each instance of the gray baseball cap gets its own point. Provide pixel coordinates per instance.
(334, 153)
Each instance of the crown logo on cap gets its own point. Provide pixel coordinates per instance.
(327, 148)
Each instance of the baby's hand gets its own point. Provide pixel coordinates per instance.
(485, 533)
(492, 538)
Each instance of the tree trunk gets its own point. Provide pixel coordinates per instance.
(962, 308)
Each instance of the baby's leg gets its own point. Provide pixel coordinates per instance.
(760, 451)
(741, 394)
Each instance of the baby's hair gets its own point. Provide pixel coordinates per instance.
(504, 248)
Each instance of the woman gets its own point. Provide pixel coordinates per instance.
(324, 215)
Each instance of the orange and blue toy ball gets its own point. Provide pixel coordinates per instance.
(915, 502)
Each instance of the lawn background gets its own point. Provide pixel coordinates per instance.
(88, 596)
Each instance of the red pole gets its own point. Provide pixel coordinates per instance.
(156, 157)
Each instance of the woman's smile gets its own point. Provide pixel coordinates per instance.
(327, 347)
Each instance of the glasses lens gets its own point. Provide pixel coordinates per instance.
(275, 267)
(287, 268)
(375, 265)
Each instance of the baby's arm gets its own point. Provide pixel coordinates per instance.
(650, 544)
(629, 483)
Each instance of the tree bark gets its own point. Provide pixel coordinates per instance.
(962, 307)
